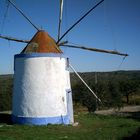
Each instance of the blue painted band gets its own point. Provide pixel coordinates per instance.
(41, 121)
(31, 55)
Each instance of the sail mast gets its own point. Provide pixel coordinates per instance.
(22, 13)
(60, 18)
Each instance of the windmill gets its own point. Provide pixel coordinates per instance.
(42, 92)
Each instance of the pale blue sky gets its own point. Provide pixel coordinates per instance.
(115, 24)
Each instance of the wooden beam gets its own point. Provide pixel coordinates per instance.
(78, 21)
(14, 39)
(96, 50)
(21, 12)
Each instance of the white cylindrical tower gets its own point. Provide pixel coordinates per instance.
(42, 92)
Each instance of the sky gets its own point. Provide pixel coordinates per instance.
(113, 25)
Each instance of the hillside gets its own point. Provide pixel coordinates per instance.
(106, 76)
(6, 84)
(103, 83)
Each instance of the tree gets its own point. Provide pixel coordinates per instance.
(128, 87)
(89, 101)
(78, 90)
(115, 99)
(84, 97)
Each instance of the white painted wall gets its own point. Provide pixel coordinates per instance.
(40, 85)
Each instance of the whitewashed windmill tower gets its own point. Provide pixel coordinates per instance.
(42, 92)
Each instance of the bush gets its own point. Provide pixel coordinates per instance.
(6, 86)
(84, 97)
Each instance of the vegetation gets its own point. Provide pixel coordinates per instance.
(90, 127)
(6, 86)
(115, 89)
(128, 88)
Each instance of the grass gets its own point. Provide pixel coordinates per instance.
(90, 127)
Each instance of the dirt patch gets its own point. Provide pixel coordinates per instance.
(124, 110)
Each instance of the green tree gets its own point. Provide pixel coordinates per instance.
(84, 97)
(78, 91)
(89, 101)
(115, 97)
(128, 87)
(6, 87)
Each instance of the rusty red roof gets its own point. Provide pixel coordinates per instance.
(42, 43)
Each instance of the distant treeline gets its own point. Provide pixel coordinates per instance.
(115, 89)
(6, 87)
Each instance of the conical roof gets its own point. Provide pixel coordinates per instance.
(41, 43)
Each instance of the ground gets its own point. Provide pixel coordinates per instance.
(126, 110)
(90, 126)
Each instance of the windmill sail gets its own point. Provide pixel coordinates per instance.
(60, 18)
(14, 39)
(95, 49)
(20, 11)
(78, 21)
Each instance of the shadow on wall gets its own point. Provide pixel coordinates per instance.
(5, 118)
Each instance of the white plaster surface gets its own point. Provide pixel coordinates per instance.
(40, 85)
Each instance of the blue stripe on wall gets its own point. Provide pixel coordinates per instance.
(41, 121)
(31, 55)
